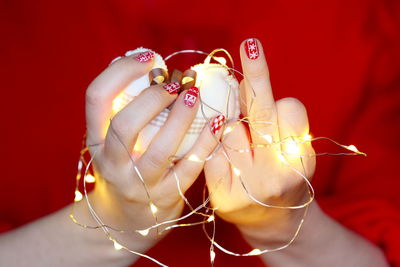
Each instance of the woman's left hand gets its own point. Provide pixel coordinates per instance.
(269, 172)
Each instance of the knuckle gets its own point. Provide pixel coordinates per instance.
(156, 96)
(93, 96)
(119, 126)
(260, 75)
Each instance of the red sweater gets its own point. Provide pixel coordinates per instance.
(340, 58)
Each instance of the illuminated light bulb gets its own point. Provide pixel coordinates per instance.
(255, 251)
(220, 60)
(227, 130)
(194, 158)
(281, 157)
(212, 255)
(268, 137)
(80, 165)
(144, 232)
(138, 149)
(352, 148)
(307, 137)
(236, 171)
(78, 196)
(90, 178)
(117, 245)
(292, 148)
(211, 218)
(153, 208)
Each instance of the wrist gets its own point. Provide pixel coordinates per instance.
(111, 211)
(276, 230)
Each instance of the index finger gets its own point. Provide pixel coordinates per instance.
(260, 103)
(102, 91)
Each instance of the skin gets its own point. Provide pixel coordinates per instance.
(120, 200)
(322, 241)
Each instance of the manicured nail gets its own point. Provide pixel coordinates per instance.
(145, 56)
(217, 123)
(191, 97)
(251, 48)
(172, 88)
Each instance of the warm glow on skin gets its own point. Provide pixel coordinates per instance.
(268, 138)
(153, 208)
(236, 171)
(292, 148)
(281, 157)
(118, 103)
(227, 130)
(194, 158)
(307, 137)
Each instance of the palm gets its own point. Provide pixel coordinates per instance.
(272, 174)
(236, 179)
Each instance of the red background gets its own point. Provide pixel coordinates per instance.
(340, 58)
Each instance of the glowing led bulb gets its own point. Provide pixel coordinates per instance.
(153, 208)
(194, 158)
(80, 165)
(268, 137)
(281, 157)
(352, 148)
(211, 218)
(227, 130)
(78, 196)
(307, 137)
(255, 251)
(212, 255)
(117, 245)
(144, 232)
(292, 148)
(90, 178)
(236, 171)
(220, 60)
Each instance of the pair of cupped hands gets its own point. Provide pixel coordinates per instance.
(119, 196)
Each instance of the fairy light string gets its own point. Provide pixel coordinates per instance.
(204, 210)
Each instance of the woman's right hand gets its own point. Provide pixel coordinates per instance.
(120, 197)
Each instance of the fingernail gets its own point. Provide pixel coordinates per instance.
(145, 56)
(172, 88)
(251, 48)
(217, 123)
(191, 97)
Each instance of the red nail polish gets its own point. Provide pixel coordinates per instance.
(191, 97)
(172, 88)
(217, 123)
(251, 48)
(145, 56)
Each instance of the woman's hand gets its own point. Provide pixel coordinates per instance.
(268, 172)
(120, 196)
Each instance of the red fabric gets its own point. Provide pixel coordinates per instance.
(340, 58)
